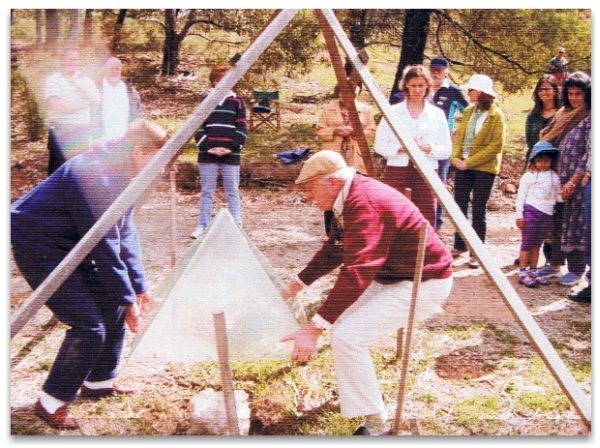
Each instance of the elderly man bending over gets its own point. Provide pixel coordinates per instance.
(374, 242)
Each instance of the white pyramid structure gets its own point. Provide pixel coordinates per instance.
(222, 273)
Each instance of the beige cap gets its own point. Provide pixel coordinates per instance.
(321, 164)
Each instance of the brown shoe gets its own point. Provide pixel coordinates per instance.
(113, 391)
(61, 419)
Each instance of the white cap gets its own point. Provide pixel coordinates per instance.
(483, 83)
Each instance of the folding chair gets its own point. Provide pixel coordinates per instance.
(265, 110)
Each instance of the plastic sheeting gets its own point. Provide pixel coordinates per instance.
(222, 273)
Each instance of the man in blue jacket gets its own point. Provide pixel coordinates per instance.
(108, 288)
(450, 99)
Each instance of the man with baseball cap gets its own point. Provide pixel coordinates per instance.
(445, 95)
(374, 243)
(559, 66)
(450, 99)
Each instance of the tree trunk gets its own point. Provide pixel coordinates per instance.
(74, 26)
(116, 43)
(88, 26)
(52, 28)
(170, 60)
(414, 38)
(39, 25)
(358, 33)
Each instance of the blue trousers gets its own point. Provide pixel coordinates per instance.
(443, 168)
(94, 342)
(230, 175)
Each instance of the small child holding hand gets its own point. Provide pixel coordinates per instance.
(539, 191)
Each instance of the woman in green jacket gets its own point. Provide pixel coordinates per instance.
(476, 155)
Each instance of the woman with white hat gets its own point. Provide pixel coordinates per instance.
(477, 155)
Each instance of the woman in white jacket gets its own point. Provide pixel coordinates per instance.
(428, 127)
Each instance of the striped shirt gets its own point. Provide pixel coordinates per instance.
(225, 127)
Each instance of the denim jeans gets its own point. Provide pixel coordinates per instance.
(443, 168)
(230, 174)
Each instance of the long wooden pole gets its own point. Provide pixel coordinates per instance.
(346, 92)
(580, 401)
(225, 371)
(147, 177)
(173, 190)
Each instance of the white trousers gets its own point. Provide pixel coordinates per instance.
(379, 311)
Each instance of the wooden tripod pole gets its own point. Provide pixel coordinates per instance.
(346, 92)
(173, 217)
(225, 370)
(409, 329)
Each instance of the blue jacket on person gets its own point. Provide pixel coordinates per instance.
(450, 99)
(51, 219)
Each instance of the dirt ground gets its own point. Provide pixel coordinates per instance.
(288, 231)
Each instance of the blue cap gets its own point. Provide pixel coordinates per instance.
(541, 147)
(439, 62)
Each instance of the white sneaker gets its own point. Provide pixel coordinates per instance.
(473, 263)
(197, 233)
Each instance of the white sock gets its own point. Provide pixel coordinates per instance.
(49, 403)
(376, 423)
(106, 384)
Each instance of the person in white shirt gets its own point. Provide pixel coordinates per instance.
(70, 98)
(428, 126)
(120, 103)
(539, 191)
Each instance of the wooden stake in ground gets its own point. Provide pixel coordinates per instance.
(409, 329)
(225, 370)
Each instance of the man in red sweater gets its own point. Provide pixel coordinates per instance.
(374, 243)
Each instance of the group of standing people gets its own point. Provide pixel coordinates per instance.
(556, 176)
(373, 228)
(81, 109)
(562, 133)
(428, 110)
